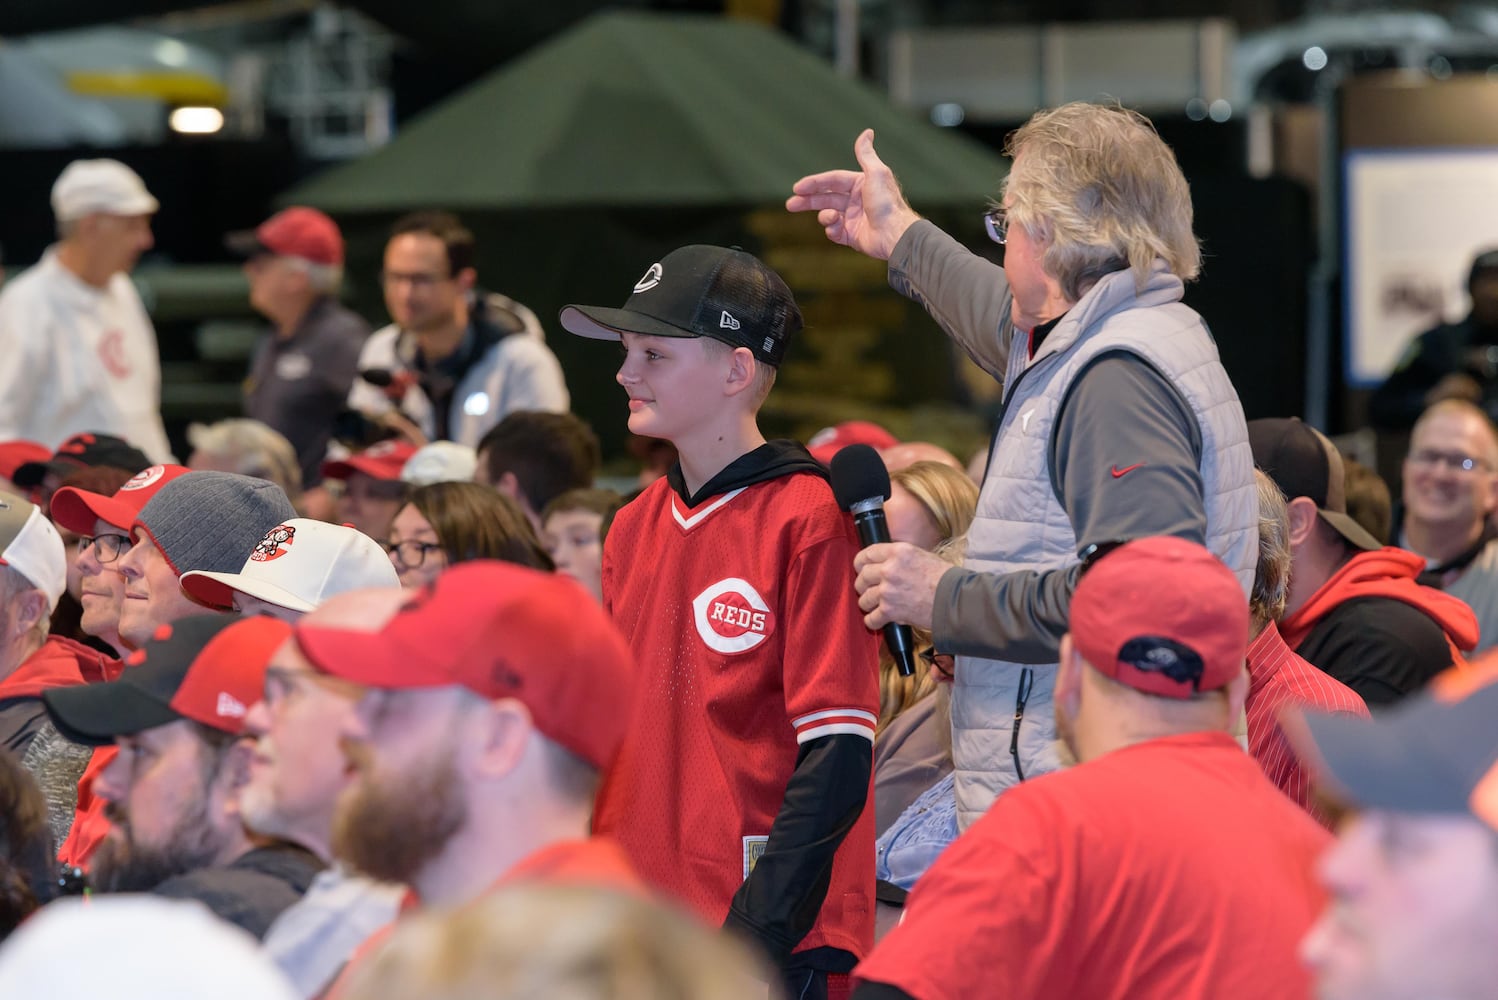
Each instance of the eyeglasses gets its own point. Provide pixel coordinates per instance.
(416, 280)
(942, 664)
(107, 548)
(1453, 460)
(996, 221)
(411, 554)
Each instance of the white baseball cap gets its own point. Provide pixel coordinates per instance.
(138, 948)
(88, 186)
(31, 546)
(440, 462)
(297, 565)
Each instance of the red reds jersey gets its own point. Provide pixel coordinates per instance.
(745, 627)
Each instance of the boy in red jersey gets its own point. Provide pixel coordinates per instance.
(741, 783)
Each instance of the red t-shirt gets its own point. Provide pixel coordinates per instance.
(1279, 679)
(1171, 869)
(745, 626)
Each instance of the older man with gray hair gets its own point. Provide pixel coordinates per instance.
(33, 575)
(80, 351)
(1118, 419)
(303, 369)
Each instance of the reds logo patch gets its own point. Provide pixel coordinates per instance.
(145, 478)
(275, 543)
(731, 617)
(112, 354)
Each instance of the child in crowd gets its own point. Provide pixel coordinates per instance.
(572, 532)
(741, 784)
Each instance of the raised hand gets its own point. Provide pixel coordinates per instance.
(863, 209)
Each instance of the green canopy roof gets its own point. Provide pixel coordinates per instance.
(638, 109)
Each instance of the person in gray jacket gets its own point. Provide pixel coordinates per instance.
(455, 360)
(1118, 420)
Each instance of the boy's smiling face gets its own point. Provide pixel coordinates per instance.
(674, 383)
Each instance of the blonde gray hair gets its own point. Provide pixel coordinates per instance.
(1266, 601)
(1102, 188)
(253, 449)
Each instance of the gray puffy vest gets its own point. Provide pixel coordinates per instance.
(1021, 525)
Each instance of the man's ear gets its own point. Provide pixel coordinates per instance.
(742, 368)
(30, 609)
(509, 485)
(1068, 688)
(502, 734)
(1303, 519)
(466, 279)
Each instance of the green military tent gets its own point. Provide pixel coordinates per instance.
(639, 109)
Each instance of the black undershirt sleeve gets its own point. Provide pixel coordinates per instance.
(779, 901)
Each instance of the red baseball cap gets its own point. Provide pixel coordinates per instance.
(14, 454)
(1162, 615)
(501, 631)
(382, 460)
(830, 440)
(77, 510)
(295, 232)
(207, 668)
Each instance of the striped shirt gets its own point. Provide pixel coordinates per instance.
(1278, 679)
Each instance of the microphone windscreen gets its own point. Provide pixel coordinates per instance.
(858, 474)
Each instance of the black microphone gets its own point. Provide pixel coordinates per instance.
(380, 378)
(861, 484)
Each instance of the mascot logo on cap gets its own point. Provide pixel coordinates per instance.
(275, 543)
(731, 617)
(145, 478)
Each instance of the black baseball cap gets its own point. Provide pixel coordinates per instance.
(207, 668)
(701, 291)
(86, 450)
(1304, 463)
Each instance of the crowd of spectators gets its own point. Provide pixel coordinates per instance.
(385, 694)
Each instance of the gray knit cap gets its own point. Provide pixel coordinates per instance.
(212, 520)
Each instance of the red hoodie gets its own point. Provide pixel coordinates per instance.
(59, 663)
(1386, 572)
(63, 663)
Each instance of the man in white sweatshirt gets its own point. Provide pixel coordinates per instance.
(80, 349)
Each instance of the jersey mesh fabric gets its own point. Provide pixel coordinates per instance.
(744, 622)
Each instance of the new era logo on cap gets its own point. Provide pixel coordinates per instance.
(651, 278)
(207, 668)
(230, 707)
(727, 322)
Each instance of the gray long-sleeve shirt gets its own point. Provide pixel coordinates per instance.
(1124, 459)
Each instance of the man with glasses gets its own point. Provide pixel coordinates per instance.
(103, 526)
(177, 716)
(1118, 418)
(1355, 608)
(373, 491)
(455, 360)
(1164, 864)
(1450, 494)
